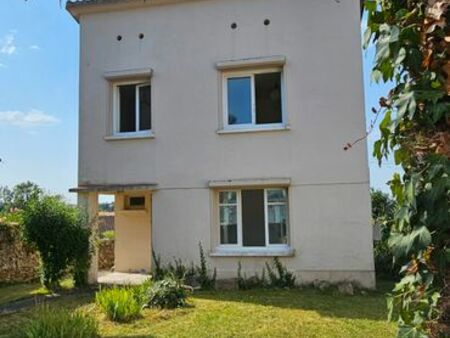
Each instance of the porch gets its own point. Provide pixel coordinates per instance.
(132, 223)
(121, 278)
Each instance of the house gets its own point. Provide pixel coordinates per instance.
(223, 122)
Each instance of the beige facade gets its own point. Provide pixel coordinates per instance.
(184, 49)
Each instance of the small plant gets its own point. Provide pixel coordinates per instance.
(279, 276)
(58, 323)
(206, 281)
(142, 291)
(168, 293)
(178, 269)
(253, 282)
(119, 304)
(108, 235)
(159, 272)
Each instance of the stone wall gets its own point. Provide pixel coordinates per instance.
(18, 263)
(106, 254)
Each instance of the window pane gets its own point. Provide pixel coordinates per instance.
(228, 225)
(127, 113)
(268, 98)
(239, 100)
(227, 197)
(277, 224)
(253, 227)
(276, 195)
(145, 108)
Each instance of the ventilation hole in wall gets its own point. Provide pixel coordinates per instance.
(119, 37)
(141, 36)
(234, 25)
(266, 22)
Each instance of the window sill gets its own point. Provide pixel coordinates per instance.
(252, 130)
(131, 136)
(260, 252)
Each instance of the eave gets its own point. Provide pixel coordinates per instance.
(78, 7)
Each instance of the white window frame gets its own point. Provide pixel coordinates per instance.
(239, 244)
(238, 215)
(116, 109)
(251, 73)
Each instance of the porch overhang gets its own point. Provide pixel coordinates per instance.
(113, 188)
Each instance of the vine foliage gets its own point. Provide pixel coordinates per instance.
(411, 39)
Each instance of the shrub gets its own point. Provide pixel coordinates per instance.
(383, 211)
(60, 323)
(58, 232)
(279, 276)
(168, 293)
(253, 282)
(119, 304)
(203, 276)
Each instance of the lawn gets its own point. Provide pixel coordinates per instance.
(256, 313)
(12, 292)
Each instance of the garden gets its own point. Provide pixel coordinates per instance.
(179, 300)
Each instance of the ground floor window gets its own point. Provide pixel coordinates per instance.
(253, 217)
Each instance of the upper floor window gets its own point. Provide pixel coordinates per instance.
(132, 108)
(253, 99)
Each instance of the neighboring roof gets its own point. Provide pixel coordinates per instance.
(77, 7)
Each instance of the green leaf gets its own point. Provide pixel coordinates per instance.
(400, 245)
(376, 75)
(377, 150)
(400, 156)
(370, 5)
(390, 306)
(382, 46)
(367, 36)
(400, 56)
(406, 103)
(421, 237)
(410, 192)
(394, 33)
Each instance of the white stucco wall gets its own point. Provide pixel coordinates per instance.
(329, 193)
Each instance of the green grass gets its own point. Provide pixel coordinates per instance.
(255, 313)
(9, 293)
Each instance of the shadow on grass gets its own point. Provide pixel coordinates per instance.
(371, 306)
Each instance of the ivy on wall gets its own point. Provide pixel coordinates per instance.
(412, 38)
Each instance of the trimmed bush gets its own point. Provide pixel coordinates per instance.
(59, 232)
(60, 323)
(168, 293)
(119, 304)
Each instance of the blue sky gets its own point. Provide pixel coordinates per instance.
(39, 97)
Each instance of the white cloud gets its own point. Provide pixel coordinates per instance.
(7, 45)
(34, 47)
(33, 118)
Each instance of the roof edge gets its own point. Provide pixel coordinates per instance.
(78, 7)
